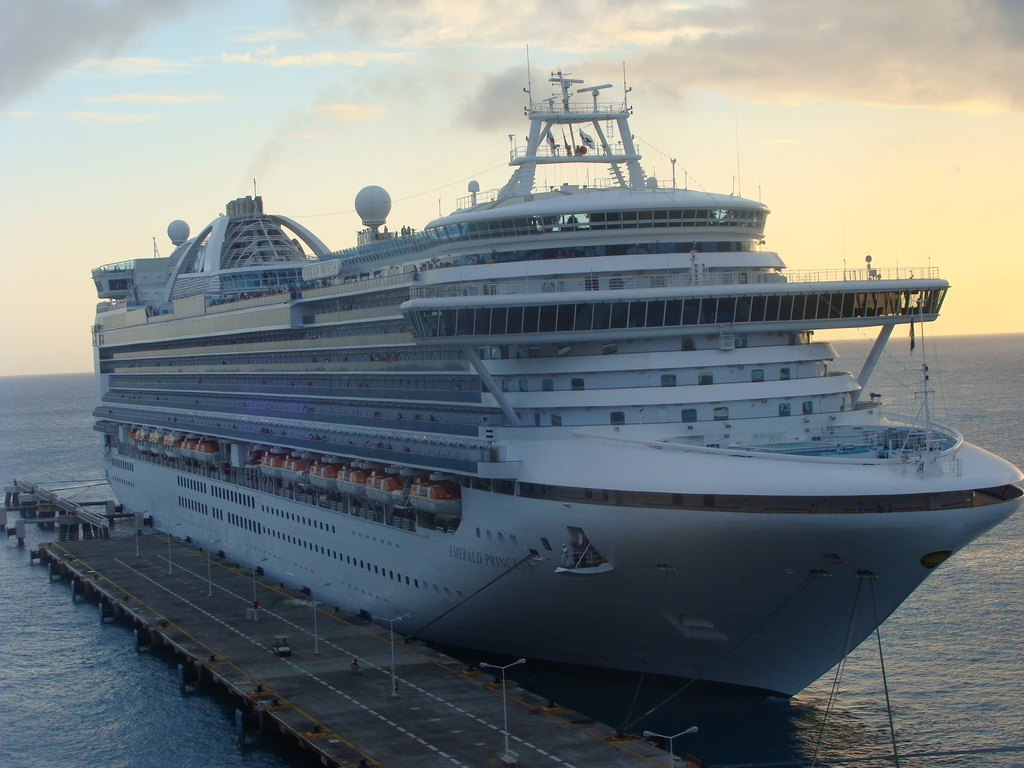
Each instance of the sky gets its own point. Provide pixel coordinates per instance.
(868, 127)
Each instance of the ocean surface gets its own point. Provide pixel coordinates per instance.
(75, 694)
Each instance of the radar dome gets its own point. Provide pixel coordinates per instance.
(178, 231)
(373, 204)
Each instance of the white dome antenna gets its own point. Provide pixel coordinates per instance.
(178, 231)
(474, 187)
(373, 204)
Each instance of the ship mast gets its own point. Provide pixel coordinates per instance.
(553, 135)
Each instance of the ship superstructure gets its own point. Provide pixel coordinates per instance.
(608, 396)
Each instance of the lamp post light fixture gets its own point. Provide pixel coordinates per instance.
(504, 700)
(391, 622)
(669, 739)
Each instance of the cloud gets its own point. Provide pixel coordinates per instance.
(109, 117)
(350, 112)
(940, 54)
(167, 97)
(945, 54)
(134, 65)
(39, 38)
(269, 56)
(498, 101)
(272, 34)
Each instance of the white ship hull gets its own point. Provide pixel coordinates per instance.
(750, 599)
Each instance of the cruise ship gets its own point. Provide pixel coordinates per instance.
(584, 423)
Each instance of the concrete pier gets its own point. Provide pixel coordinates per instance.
(344, 714)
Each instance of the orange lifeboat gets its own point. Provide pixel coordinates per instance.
(207, 450)
(172, 444)
(323, 473)
(441, 498)
(352, 481)
(153, 440)
(294, 467)
(381, 486)
(273, 461)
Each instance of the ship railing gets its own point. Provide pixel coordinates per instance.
(109, 305)
(120, 266)
(586, 282)
(556, 108)
(230, 303)
(351, 285)
(462, 203)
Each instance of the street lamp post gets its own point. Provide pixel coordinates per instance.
(170, 536)
(394, 680)
(669, 739)
(504, 700)
(316, 635)
(209, 568)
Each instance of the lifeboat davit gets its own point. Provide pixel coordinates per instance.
(152, 440)
(323, 473)
(294, 467)
(440, 498)
(381, 486)
(273, 461)
(352, 481)
(188, 446)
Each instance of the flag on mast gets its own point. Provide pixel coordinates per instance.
(588, 140)
(913, 342)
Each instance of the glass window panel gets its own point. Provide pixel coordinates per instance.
(691, 311)
(548, 314)
(757, 374)
(708, 307)
(637, 314)
(578, 384)
(689, 414)
(705, 378)
(620, 314)
(655, 314)
(530, 317)
(673, 311)
(498, 318)
(742, 313)
(783, 409)
(772, 308)
(668, 379)
(515, 320)
(464, 324)
(721, 413)
(602, 316)
(584, 316)
(483, 320)
(618, 417)
(726, 309)
(566, 316)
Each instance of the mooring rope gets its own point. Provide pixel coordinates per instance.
(834, 693)
(885, 682)
(532, 554)
(647, 655)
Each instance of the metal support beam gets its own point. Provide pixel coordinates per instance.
(492, 385)
(869, 364)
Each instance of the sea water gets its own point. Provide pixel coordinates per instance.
(75, 694)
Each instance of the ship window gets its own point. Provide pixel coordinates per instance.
(784, 374)
(536, 419)
(478, 533)
(808, 406)
(488, 535)
(545, 543)
(740, 342)
(721, 413)
(501, 537)
(757, 374)
(447, 591)
(688, 414)
(609, 349)
(548, 385)
(533, 352)
(668, 379)
(436, 589)
(705, 378)
(416, 583)
(618, 417)
(512, 538)
(524, 385)
(688, 345)
(783, 409)
(556, 420)
(578, 384)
